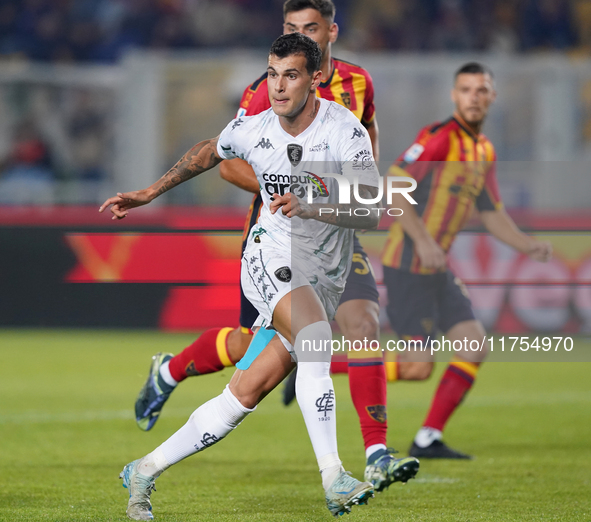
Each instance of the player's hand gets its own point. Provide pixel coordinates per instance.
(123, 202)
(540, 250)
(291, 206)
(431, 254)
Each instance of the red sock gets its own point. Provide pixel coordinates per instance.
(207, 354)
(455, 383)
(367, 382)
(339, 363)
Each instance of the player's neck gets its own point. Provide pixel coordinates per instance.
(297, 124)
(326, 66)
(473, 128)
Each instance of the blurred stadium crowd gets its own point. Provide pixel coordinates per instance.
(58, 137)
(102, 30)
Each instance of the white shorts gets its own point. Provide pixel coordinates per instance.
(269, 273)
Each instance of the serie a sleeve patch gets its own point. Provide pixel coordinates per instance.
(413, 153)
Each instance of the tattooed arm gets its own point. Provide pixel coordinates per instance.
(200, 158)
(353, 215)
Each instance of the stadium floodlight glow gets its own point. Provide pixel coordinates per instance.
(345, 189)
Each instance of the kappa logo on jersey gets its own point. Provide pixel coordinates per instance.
(413, 153)
(377, 412)
(346, 97)
(208, 439)
(265, 143)
(325, 403)
(294, 153)
(237, 123)
(283, 274)
(358, 133)
(363, 160)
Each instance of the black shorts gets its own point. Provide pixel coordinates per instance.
(361, 283)
(420, 305)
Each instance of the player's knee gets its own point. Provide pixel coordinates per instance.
(414, 371)
(366, 326)
(248, 399)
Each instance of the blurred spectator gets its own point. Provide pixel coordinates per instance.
(102, 30)
(547, 24)
(502, 36)
(27, 175)
(88, 135)
(452, 32)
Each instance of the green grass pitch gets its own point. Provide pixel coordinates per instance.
(67, 429)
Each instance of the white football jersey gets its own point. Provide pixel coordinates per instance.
(335, 143)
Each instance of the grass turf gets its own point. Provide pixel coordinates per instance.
(67, 429)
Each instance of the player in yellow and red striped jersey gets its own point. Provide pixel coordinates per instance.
(348, 85)
(455, 172)
(453, 164)
(358, 311)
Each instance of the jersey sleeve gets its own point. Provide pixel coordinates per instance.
(490, 198)
(357, 156)
(229, 143)
(418, 159)
(369, 110)
(255, 98)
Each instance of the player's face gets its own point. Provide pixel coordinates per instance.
(472, 95)
(290, 84)
(311, 23)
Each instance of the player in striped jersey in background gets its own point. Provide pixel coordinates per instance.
(454, 165)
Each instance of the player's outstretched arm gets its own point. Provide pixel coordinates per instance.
(197, 160)
(500, 225)
(240, 173)
(334, 214)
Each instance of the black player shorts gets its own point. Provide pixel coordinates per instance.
(361, 283)
(422, 304)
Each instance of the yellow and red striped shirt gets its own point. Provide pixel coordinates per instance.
(349, 85)
(455, 171)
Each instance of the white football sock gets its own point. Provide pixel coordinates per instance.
(425, 436)
(166, 376)
(330, 468)
(208, 424)
(370, 450)
(315, 394)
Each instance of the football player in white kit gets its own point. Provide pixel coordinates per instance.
(294, 266)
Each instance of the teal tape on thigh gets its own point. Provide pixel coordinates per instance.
(261, 339)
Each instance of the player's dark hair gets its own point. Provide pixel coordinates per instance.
(298, 43)
(473, 68)
(325, 7)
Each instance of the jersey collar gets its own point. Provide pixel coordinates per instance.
(319, 117)
(329, 80)
(465, 127)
